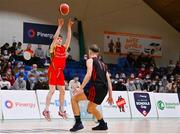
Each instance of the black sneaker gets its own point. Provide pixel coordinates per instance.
(76, 127)
(101, 127)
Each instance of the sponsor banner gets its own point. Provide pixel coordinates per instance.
(54, 106)
(124, 43)
(167, 104)
(120, 108)
(18, 104)
(0, 106)
(142, 104)
(38, 33)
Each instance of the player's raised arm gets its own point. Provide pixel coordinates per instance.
(69, 33)
(56, 35)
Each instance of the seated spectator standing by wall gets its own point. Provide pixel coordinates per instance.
(22, 70)
(39, 56)
(170, 66)
(31, 81)
(20, 83)
(4, 84)
(42, 83)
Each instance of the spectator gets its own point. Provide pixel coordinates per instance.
(21, 70)
(19, 50)
(161, 88)
(147, 83)
(154, 86)
(5, 49)
(34, 71)
(130, 85)
(4, 84)
(73, 84)
(9, 76)
(120, 86)
(143, 71)
(138, 84)
(30, 82)
(171, 87)
(39, 56)
(42, 83)
(164, 81)
(12, 49)
(20, 83)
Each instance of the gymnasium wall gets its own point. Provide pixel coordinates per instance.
(134, 17)
(14, 13)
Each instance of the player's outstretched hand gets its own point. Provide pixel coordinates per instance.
(110, 100)
(70, 22)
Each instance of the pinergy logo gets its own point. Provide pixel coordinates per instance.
(160, 105)
(9, 104)
(32, 33)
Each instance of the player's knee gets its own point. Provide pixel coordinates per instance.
(90, 109)
(51, 92)
(62, 92)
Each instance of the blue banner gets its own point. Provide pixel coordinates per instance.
(38, 33)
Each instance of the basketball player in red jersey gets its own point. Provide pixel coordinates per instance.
(55, 72)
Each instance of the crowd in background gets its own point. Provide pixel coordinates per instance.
(18, 73)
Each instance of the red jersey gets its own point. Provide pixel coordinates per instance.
(59, 58)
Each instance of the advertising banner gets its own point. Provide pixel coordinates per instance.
(124, 43)
(54, 106)
(167, 104)
(142, 104)
(120, 108)
(18, 104)
(38, 33)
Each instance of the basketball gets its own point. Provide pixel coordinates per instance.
(64, 9)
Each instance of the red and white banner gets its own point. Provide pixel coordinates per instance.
(124, 43)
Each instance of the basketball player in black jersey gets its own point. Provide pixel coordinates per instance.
(100, 86)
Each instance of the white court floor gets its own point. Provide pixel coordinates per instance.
(118, 126)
